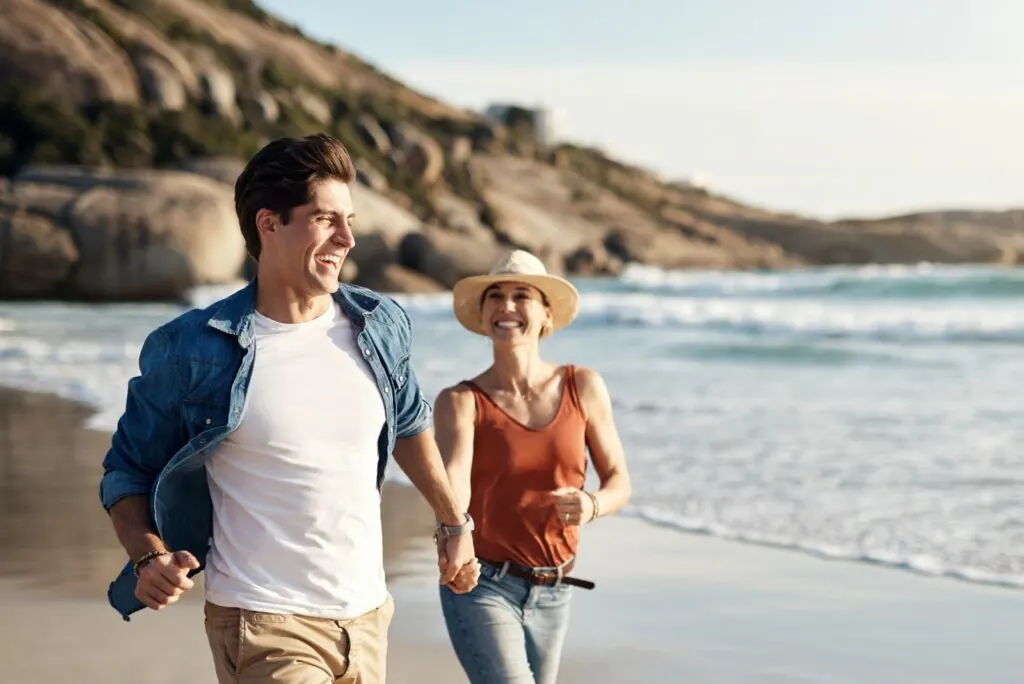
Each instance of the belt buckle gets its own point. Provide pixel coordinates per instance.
(543, 577)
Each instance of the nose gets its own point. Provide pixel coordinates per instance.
(343, 235)
(508, 304)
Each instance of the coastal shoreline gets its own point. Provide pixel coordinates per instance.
(669, 606)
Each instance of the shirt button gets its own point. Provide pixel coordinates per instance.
(366, 350)
(208, 421)
(387, 390)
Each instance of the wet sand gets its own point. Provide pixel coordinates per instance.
(668, 607)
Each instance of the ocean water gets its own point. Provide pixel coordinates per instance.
(873, 414)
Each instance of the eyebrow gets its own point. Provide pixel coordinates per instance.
(331, 212)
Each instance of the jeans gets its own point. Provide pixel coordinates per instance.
(506, 631)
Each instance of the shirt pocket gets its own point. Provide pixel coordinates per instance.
(202, 414)
(399, 374)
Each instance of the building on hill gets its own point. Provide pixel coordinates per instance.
(542, 123)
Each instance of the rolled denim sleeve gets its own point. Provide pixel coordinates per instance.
(149, 432)
(414, 412)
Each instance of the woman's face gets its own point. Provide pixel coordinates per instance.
(513, 313)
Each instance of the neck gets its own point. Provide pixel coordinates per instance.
(283, 303)
(518, 367)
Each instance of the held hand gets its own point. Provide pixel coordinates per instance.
(456, 561)
(164, 579)
(572, 506)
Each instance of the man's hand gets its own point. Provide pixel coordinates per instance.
(572, 506)
(164, 579)
(457, 563)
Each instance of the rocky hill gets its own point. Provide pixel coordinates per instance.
(123, 124)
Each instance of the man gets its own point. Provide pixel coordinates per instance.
(254, 441)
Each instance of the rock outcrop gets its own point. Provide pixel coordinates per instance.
(67, 57)
(182, 91)
(119, 235)
(36, 255)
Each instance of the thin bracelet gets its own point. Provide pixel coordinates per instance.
(597, 507)
(144, 561)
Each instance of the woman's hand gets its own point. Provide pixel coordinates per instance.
(573, 506)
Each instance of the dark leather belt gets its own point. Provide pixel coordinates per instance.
(541, 577)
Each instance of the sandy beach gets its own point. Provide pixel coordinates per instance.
(668, 607)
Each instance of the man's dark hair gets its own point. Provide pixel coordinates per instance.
(279, 178)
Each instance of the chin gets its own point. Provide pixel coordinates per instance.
(510, 340)
(317, 285)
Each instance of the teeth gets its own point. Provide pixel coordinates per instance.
(507, 324)
(330, 258)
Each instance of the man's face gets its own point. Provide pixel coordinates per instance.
(306, 254)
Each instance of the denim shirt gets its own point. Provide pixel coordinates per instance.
(190, 395)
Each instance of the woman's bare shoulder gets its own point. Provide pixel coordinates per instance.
(589, 380)
(455, 401)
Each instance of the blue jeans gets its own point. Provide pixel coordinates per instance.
(506, 631)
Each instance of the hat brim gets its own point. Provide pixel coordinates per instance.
(562, 296)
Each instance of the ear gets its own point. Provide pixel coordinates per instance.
(548, 327)
(267, 221)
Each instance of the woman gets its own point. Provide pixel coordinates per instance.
(515, 440)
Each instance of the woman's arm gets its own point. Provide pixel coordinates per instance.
(454, 424)
(603, 440)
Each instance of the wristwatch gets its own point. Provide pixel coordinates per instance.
(445, 531)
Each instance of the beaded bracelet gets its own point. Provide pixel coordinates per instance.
(141, 563)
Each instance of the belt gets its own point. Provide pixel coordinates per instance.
(539, 577)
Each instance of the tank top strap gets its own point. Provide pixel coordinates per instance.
(574, 393)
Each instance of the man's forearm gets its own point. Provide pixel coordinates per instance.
(421, 462)
(133, 528)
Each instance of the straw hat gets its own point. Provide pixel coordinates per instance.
(516, 267)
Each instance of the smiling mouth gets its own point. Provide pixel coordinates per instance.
(332, 260)
(508, 325)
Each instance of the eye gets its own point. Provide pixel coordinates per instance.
(494, 295)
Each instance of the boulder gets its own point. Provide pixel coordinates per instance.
(447, 257)
(376, 213)
(261, 106)
(418, 152)
(219, 91)
(144, 234)
(161, 83)
(49, 200)
(373, 134)
(370, 177)
(36, 255)
(394, 278)
(460, 150)
(66, 57)
(460, 215)
(314, 105)
(373, 252)
(223, 169)
(592, 260)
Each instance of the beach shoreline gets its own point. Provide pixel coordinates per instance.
(669, 606)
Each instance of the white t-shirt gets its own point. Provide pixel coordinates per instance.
(296, 511)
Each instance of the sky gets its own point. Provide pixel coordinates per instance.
(818, 107)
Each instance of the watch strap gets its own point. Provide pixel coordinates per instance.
(445, 531)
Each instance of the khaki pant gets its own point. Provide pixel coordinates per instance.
(250, 647)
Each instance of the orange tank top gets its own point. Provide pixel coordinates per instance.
(514, 467)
